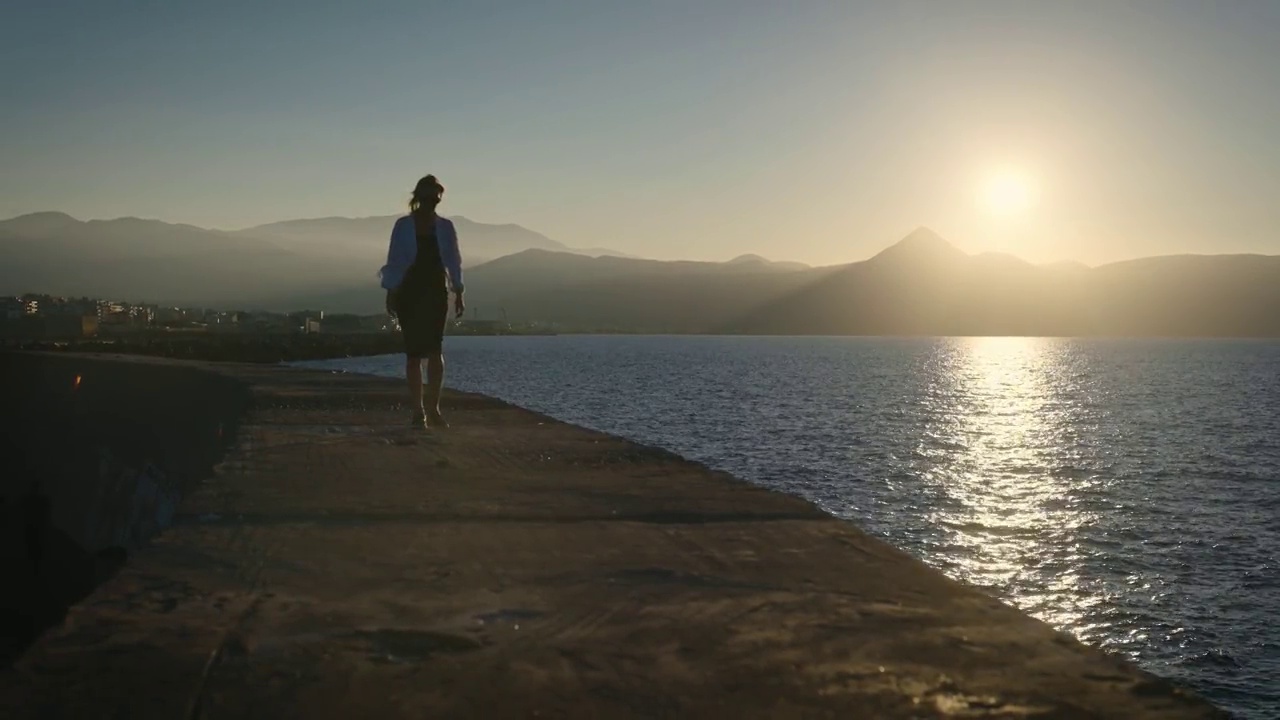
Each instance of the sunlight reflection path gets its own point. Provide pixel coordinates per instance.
(1015, 524)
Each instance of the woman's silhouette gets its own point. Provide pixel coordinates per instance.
(423, 264)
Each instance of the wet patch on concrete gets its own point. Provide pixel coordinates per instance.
(508, 615)
(400, 646)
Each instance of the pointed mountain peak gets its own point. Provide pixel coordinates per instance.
(921, 244)
(926, 237)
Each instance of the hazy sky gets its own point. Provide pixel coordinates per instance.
(815, 131)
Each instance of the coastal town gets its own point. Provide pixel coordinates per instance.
(50, 322)
(49, 317)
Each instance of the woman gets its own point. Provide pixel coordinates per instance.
(423, 264)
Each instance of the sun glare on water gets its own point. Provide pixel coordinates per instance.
(1007, 191)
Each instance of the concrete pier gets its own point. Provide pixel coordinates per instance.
(322, 560)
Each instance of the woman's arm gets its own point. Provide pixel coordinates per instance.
(452, 257)
(399, 257)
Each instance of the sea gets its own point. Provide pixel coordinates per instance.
(1124, 491)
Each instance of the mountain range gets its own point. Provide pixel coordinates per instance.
(359, 239)
(582, 293)
(921, 285)
(264, 266)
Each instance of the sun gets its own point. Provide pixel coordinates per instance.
(1007, 191)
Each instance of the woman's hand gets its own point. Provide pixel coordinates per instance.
(391, 303)
(459, 306)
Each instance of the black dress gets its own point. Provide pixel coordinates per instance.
(422, 301)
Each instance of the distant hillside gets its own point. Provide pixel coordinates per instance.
(925, 286)
(148, 260)
(365, 239)
(608, 293)
(516, 268)
(602, 252)
(762, 263)
(626, 295)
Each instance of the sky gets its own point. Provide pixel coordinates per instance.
(1091, 130)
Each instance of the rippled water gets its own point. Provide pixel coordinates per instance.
(1125, 491)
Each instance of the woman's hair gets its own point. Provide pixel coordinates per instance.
(426, 193)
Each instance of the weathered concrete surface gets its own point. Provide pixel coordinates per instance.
(338, 565)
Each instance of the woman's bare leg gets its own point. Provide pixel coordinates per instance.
(435, 381)
(413, 373)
